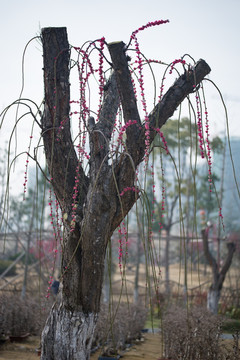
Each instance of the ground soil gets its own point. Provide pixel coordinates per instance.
(147, 348)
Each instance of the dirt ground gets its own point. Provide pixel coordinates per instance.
(149, 349)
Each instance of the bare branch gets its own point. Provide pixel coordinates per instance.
(231, 250)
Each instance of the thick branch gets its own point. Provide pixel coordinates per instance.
(231, 250)
(127, 96)
(182, 87)
(59, 149)
(120, 65)
(100, 134)
(211, 260)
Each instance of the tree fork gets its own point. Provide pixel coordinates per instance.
(218, 275)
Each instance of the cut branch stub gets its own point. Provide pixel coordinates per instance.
(182, 87)
(60, 153)
(123, 76)
(127, 96)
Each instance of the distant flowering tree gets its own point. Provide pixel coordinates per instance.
(94, 174)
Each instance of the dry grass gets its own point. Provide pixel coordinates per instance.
(196, 335)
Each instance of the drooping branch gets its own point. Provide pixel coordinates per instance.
(60, 153)
(125, 168)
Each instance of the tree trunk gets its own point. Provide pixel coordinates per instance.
(214, 292)
(167, 288)
(213, 298)
(68, 332)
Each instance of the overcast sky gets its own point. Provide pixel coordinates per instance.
(207, 29)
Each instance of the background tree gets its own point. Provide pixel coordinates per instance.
(218, 274)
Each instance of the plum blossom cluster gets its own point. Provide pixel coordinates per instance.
(61, 127)
(85, 70)
(221, 218)
(148, 25)
(161, 89)
(176, 61)
(25, 178)
(84, 75)
(220, 213)
(129, 188)
(50, 282)
(123, 129)
(163, 196)
(139, 62)
(208, 146)
(147, 137)
(163, 139)
(101, 73)
(143, 99)
(26, 169)
(199, 127)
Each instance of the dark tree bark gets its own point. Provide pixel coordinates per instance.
(214, 292)
(69, 329)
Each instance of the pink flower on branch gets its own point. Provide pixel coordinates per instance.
(176, 61)
(149, 24)
(129, 188)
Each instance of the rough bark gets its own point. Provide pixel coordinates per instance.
(219, 275)
(70, 333)
(69, 329)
